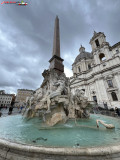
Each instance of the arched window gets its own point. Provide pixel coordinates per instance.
(114, 96)
(117, 51)
(102, 57)
(97, 43)
(110, 84)
(95, 99)
(79, 69)
(89, 66)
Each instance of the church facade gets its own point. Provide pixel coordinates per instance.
(98, 72)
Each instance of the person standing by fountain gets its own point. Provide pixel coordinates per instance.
(10, 110)
(117, 111)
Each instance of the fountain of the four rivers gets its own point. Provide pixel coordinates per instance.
(56, 124)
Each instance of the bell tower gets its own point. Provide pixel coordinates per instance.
(100, 48)
(97, 40)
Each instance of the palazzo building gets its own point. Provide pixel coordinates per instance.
(98, 72)
(22, 94)
(5, 99)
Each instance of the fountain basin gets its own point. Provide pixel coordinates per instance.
(15, 151)
(16, 142)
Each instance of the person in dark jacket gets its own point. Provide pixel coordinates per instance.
(0, 114)
(10, 110)
(117, 111)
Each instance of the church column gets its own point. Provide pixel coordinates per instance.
(98, 95)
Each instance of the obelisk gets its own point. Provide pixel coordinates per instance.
(56, 62)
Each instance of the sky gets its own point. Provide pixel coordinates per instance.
(26, 36)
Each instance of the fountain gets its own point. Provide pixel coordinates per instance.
(57, 103)
(56, 124)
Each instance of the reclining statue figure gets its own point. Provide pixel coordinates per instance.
(80, 102)
(46, 100)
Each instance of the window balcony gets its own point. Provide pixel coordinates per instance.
(110, 89)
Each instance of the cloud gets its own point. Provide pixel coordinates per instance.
(68, 72)
(26, 36)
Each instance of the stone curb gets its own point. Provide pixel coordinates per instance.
(93, 151)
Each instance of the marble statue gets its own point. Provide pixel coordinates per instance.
(108, 126)
(79, 104)
(55, 101)
(39, 94)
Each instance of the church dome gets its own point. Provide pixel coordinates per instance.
(83, 55)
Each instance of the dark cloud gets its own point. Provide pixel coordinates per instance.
(26, 36)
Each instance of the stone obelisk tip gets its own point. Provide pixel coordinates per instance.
(56, 60)
(56, 41)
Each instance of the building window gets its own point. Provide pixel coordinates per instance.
(97, 43)
(114, 96)
(79, 69)
(89, 66)
(102, 57)
(117, 51)
(95, 99)
(110, 84)
(93, 92)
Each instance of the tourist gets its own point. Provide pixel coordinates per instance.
(10, 110)
(97, 109)
(0, 114)
(117, 111)
(21, 109)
